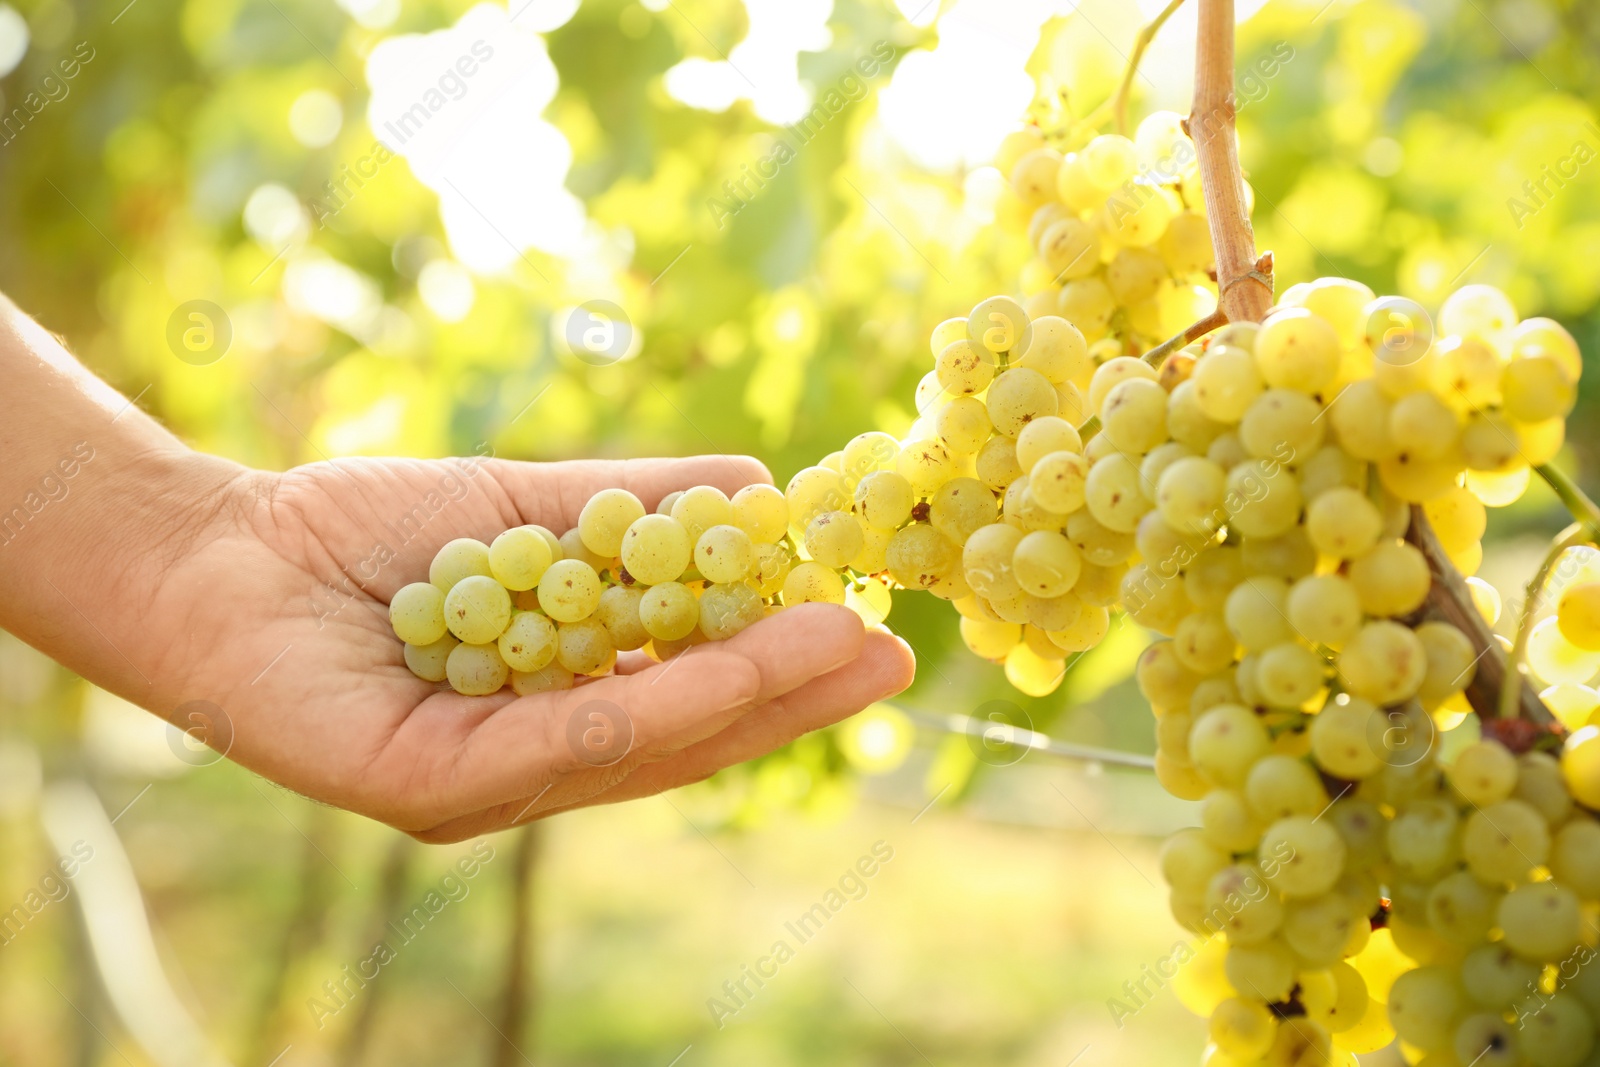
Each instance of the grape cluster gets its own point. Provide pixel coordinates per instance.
(1118, 229)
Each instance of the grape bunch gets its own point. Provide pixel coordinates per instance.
(1121, 245)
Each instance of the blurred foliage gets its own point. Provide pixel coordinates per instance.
(1389, 147)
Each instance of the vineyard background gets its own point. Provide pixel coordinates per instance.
(1385, 141)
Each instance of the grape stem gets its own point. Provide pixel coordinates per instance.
(1118, 103)
(1244, 284)
(1576, 534)
(1577, 501)
(1158, 355)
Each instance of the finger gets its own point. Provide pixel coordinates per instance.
(884, 668)
(552, 494)
(660, 711)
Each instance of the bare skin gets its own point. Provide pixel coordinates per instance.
(171, 577)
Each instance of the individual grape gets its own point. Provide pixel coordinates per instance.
(812, 583)
(1485, 1039)
(1265, 971)
(810, 492)
(990, 640)
(959, 508)
(996, 464)
(585, 647)
(1423, 425)
(1308, 856)
(529, 641)
(417, 613)
(1279, 786)
(1384, 662)
(1225, 742)
(1560, 1033)
(1043, 436)
(1190, 494)
(1392, 579)
(552, 677)
(458, 559)
(965, 368)
(569, 590)
(1318, 931)
(1424, 1005)
(1547, 337)
(519, 556)
(1226, 383)
(1019, 396)
(884, 500)
(669, 611)
(1112, 373)
(872, 558)
(1268, 498)
(999, 324)
(1343, 523)
(1056, 350)
(663, 508)
(1242, 1028)
(1360, 417)
(1088, 304)
(573, 548)
(1324, 609)
(705, 506)
(1417, 480)
(930, 395)
(1461, 909)
(926, 465)
(962, 426)
(1058, 482)
(1188, 861)
(1033, 177)
(430, 662)
(1158, 459)
(762, 512)
(1255, 613)
(1479, 311)
(477, 609)
(1466, 373)
(1578, 615)
(1134, 415)
(1483, 773)
(1498, 490)
(1542, 921)
(476, 670)
(618, 612)
(1331, 467)
(1289, 675)
(1557, 660)
(1070, 248)
(1135, 275)
(656, 549)
(863, 454)
(1493, 976)
(920, 557)
(1203, 642)
(605, 518)
(1341, 739)
(1085, 632)
(727, 609)
(1186, 423)
(1227, 819)
(1046, 564)
(1114, 493)
(1502, 841)
(1033, 674)
(725, 553)
(1282, 423)
(1296, 349)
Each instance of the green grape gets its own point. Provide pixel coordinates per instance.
(605, 518)
(1423, 839)
(1088, 304)
(999, 324)
(1226, 383)
(996, 464)
(668, 611)
(962, 426)
(1324, 609)
(476, 670)
(1268, 498)
(519, 556)
(1135, 275)
(1187, 423)
(1281, 422)
(986, 560)
(1019, 396)
(871, 558)
(1158, 459)
(1058, 481)
(1342, 304)
(1319, 929)
(1331, 467)
(1384, 662)
(1343, 523)
(1190, 494)
(865, 453)
(1279, 786)
(1255, 613)
(1423, 425)
(762, 512)
(1461, 909)
(727, 609)
(1466, 373)
(1033, 177)
(1503, 841)
(1457, 517)
(832, 539)
(1298, 350)
(1486, 1040)
(1541, 784)
(1362, 828)
(1542, 921)
(1493, 976)
(811, 492)
(458, 559)
(926, 465)
(1134, 415)
(884, 500)
(920, 556)
(618, 612)
(529, 642)
(1152, 601)
(569, 590)
(1266, 971)
(1479, 311)
(1163, 678)
(1237, 904)
(1392, 579)
(1289, 556)
(725, 554)
(1424, 1006)
(1112, 373)
(1560, 1033)
(960, 507)
(573, 549)
(1227, 820)
(1225, 742)
(477, 609)
(1289, 675)
(1575, 857)
(663, 508)
(1307, 855)
(1203, 642)
(1483, 773)
(1043, 436)
(1452, 662)
(1536, 388)
(1556, 659)
(1114, 493)
(1212, 576)
(656, 549)
(1350, 1000)
(429, 662)
(1056, 350)
(1046, 564)
(965, 368)
(1188, 862)
(1578, 615)
(1186, 244)
(1227, 452)
(1244, 1029)
(704, 506)
(813, 583)
(930, 395)
(417, 613)
(1070, 248)
(550, 678)
(946, 332)
(585, 647)
(990, 640)
(1341, 739)
(1360, 418)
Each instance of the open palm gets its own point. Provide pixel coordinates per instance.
(277, 615)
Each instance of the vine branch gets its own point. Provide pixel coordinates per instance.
(1117, 105)
(1574, 535)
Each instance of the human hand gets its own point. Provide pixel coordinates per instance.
(277, 614)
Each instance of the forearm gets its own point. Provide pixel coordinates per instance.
(95, 497)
